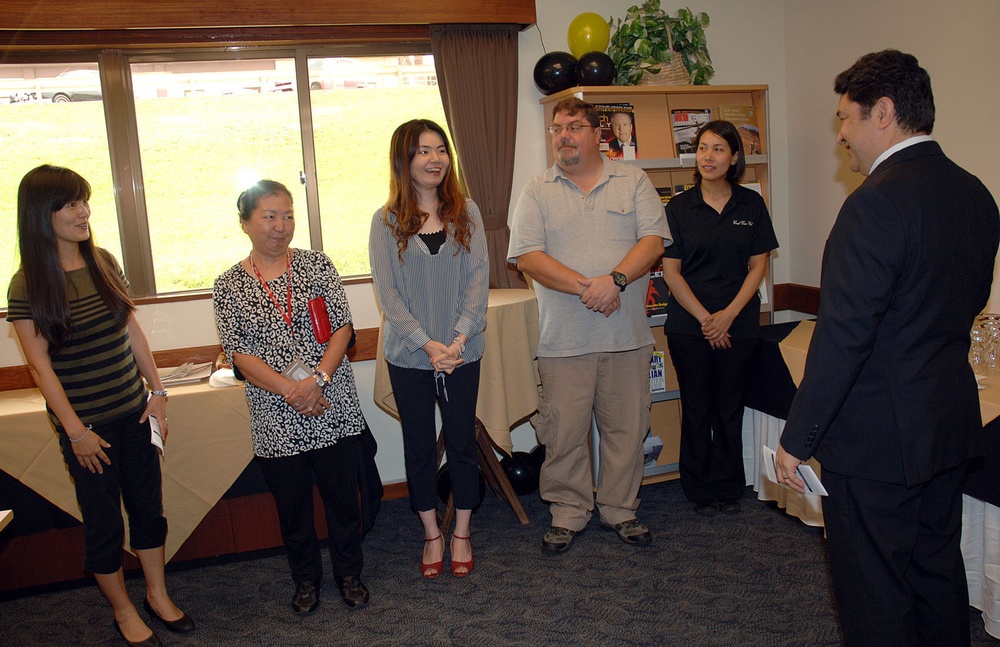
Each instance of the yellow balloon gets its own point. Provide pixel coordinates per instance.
(589, 32)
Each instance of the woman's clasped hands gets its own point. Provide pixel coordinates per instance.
(715, 327)
(444, 359)
(307, 398)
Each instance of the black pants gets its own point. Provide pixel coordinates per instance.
(133, 477)
(290, 478)
(896, 560)
(713, 386)
(416, 391)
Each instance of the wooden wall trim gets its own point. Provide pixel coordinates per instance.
(233, 526)
(19, 377)
(792, 296)
(131, 39)
(25, 15)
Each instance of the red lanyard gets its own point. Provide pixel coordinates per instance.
(287, 316)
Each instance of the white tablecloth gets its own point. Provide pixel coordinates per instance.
(762, 429)
(981, 551)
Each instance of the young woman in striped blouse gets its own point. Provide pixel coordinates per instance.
(429, 265)
(70, 308)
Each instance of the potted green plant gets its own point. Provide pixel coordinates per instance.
(645, 46)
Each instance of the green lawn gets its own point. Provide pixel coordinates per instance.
(197, 155)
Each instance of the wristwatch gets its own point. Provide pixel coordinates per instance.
(620, 280)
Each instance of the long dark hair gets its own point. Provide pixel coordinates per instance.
(404, 202)
(42, 192)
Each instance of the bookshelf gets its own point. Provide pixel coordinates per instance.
(653, 107)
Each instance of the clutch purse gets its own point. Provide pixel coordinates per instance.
(319, 319)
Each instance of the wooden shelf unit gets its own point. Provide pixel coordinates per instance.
(654, 138)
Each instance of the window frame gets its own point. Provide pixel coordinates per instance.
(114, 66)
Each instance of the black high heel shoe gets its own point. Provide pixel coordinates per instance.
(152, 641)
(181, 625)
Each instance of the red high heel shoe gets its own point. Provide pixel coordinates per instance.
(457, 565)
(431, 571)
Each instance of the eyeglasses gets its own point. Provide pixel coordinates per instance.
(574, 128)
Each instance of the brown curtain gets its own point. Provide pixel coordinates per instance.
(477, 75)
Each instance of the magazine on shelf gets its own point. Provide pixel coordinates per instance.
(686, 122)
(618, 121)
(665, 193)
(656, 295)
(745, 120)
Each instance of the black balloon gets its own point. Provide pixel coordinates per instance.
(595, 68)
(521, 471)
(444, 485)
(538, 456)
(555, 71)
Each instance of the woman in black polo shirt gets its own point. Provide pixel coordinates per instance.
(722, 238)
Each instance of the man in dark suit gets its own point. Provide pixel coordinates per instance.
(888, 403)
(622, 144)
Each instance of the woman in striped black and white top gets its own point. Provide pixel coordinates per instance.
(429, 264)
(70, 308)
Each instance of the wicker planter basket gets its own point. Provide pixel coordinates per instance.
(673, 74)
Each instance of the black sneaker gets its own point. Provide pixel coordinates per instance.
(353, 591)
(306, 597)
(558, 540)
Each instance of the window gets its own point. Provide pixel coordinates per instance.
(199, 127)
(207, 130)
(356, 106)
(53, 114)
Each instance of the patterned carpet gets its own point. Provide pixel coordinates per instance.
(755, 578)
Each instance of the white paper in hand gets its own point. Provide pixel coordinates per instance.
(155, 437)
(804, 472)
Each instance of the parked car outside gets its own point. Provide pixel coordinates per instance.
(73, 85)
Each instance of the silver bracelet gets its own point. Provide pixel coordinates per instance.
(89, 429)
(163, 392)
(461, 345)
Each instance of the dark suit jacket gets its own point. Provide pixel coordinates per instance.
(615, 148)
(888, 393)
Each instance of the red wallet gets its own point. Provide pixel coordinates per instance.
(320, 320)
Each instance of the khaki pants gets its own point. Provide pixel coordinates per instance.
(615, 388)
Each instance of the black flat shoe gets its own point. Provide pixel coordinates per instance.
(306, 597)
(181, 625)
(353, 591)
(706, 509)
(729, 507)
(152, 641)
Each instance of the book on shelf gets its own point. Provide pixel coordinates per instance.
(618, 136)
(762, 293)
(681, 188)
(657, 379)
(745, 120)
(665, 193)
(651, 448)
(656, 294)
(686, 122)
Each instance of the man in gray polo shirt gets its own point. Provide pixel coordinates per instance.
(583, 231)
